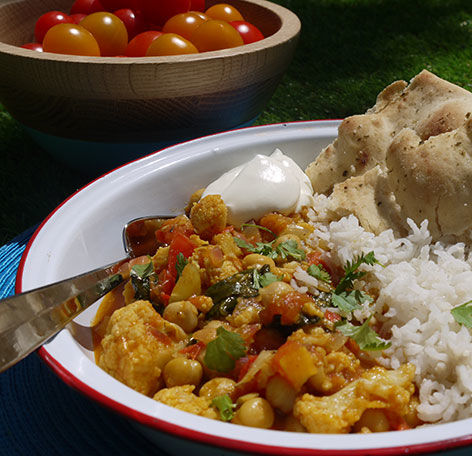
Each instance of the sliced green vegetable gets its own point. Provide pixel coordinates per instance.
(225, 406)
(222, 352)
(318, 272)
(463, 314)
(364, 335)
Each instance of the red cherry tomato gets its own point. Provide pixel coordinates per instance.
(224, 12)
(70, 39)
(197, 5)
(112, 5)
(77, 17)
(249, 33)
(183, 24)
(47, 20)
(86, 7)
(138, 46)
(133, 21)
(159, 11)
(109, 31)
(170, 44)
(33, 46)
(213, 35)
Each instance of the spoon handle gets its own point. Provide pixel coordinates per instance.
(29, 319)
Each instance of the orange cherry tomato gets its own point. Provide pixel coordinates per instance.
(213, 35)
(109, 31)
(224, 12)
(200, 14)
(70, 39)
(138, 46)
(170, 44)
(183, 24)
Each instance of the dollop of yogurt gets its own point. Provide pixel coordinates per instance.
(262, 185)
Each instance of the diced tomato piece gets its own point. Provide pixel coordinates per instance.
(294, 362)
(287, 306)
(316, 258)
(170, 228)
(275, 222)
(193, 351)
(242, 366)
(332, 316)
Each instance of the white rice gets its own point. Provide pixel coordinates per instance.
(418, 283)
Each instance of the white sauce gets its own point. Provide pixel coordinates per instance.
(262, 185)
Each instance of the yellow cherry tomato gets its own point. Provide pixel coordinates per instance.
(183, 24)
(224, 12)
(170, 44)
(109, 31)
(70, 39)
(213, 35)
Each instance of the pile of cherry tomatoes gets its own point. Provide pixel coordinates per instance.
(138, 28)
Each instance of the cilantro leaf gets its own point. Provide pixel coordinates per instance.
(463, 314)
(263, 277)
(262, 248)
(222, 352)
(351, 273)
(364, 335)
(142, 270)
(289, 249)
(141, 276)
(180, 264)
(348, 301)
(225, 406)
(318, 272)
(268, 278)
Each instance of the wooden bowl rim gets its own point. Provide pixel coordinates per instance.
(290, 27)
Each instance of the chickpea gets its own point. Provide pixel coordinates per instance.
(293, 425)
(274, 291)
(280, 394)
(254, 259)
(182, 371)
(256, 412)
(217, 387)
(374, 420)
(182, 313)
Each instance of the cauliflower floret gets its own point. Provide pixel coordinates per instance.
(137, 345)
(377, 388)
(209, 216)
(182, 398)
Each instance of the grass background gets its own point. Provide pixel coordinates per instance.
(349, 50)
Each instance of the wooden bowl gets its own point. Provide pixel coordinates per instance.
(110, 99)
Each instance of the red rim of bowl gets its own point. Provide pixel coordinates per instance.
(197, 436)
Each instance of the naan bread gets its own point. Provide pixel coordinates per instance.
(408, 157)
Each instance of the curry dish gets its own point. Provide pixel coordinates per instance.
(252, 325)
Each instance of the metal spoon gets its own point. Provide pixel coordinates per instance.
(29, 319)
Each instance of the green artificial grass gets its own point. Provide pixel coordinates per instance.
(349, 50)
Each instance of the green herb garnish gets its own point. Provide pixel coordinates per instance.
(180, 264)
(463, 314)
(262, 248)
(348, 301)
(141, 276)
(351, 273)
(289, 249)
(222, 352)
(263, 277)
(364, 335)
(318, 272)
(225, 406)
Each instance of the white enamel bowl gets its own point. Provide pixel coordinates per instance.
(85, 232)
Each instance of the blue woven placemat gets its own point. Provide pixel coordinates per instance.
(40, 415)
